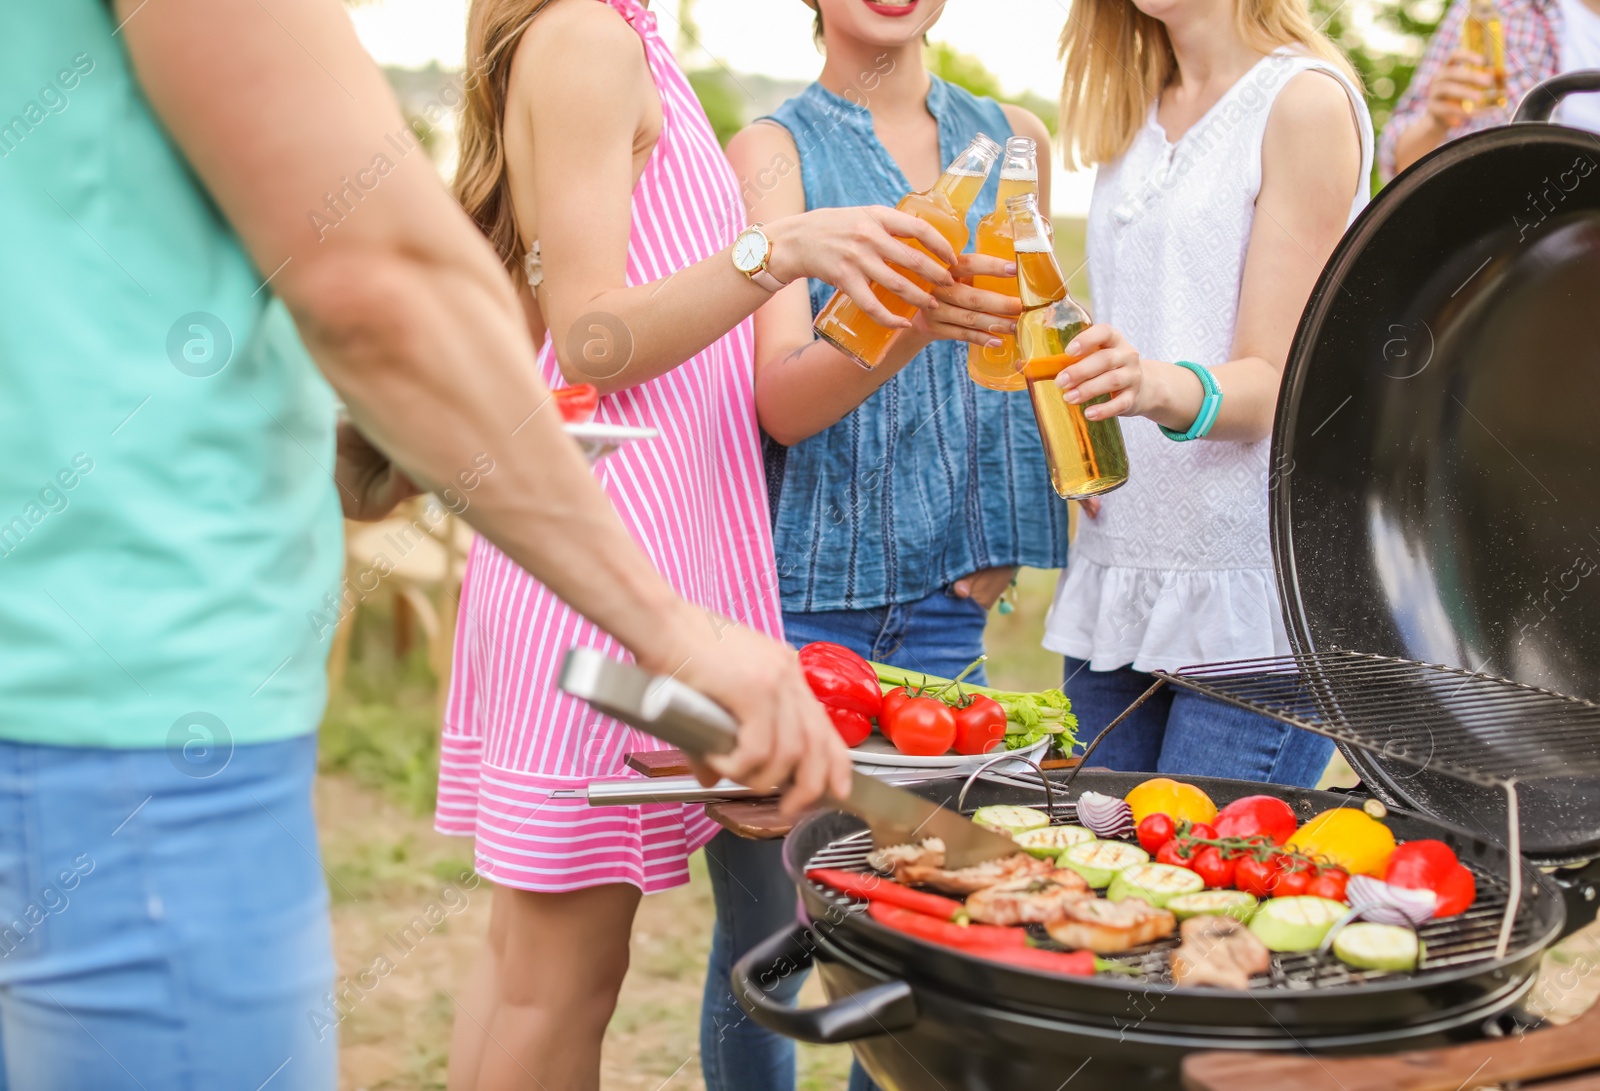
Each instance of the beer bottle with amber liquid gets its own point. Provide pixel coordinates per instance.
(996, 366)
(846, 326)
(1086, 457)
(1483, 33)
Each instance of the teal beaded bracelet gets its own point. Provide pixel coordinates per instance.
(1210, 406)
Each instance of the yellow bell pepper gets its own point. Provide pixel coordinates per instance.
(1163, 795)
(1351, 838)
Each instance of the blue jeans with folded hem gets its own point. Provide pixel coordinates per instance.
(939, 634)
(163, 922)
(1180, 731)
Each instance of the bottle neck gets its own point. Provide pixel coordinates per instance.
(1039, 279)
(1014, 186)
(960, 187)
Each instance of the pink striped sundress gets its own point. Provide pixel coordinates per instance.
(694, 498)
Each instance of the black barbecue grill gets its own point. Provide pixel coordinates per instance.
(1434, 510)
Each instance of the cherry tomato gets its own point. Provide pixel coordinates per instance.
(1210, 866)
(576, 403)
(1178, 852)
(1254, 876)
(1257, 814)
(891, 701)
(853, 727)
(1329, 883)
(1292, 877)
(922, 726)
(1201, 829)
(1156, 830)
(980, 725)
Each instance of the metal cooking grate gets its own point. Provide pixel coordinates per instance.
(1475, 727)
(1458, 941)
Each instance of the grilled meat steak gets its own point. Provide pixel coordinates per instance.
(1109, 928)
(923, 865)
(1218, 951)
(1028, 901)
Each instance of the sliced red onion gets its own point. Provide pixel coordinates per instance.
(1105, 816)
(1385, 903)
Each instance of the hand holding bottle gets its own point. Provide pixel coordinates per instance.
(965, 312)
(1108, 365)
(855, 248)
(1460, 88)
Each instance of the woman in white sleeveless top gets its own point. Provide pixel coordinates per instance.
(1233, 147)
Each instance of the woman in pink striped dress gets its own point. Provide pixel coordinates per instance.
(588, 161)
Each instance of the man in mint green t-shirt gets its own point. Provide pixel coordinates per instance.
(176, 307)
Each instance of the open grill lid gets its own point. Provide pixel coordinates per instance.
(1436, 454)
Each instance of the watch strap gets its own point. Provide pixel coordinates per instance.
(766, 279)
(1210, 405)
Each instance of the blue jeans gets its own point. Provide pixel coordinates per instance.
(940, 634)
(163, 922)
(1180, 731)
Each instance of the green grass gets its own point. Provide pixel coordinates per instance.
(382, 727)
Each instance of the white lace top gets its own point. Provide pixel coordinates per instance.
(1177, 569)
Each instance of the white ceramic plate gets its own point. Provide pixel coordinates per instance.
(599, 440)
(877, 750)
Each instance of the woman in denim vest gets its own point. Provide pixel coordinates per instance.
(903, 499)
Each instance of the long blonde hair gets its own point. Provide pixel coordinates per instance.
(1119, 59)
(494, 27)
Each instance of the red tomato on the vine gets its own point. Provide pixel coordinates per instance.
(923, 727)
(1254, 876)
(1293, 877)
(891, 701)
(1178, 852)
(980, 725)
(1156, 830)
(1329, 883)
(1210, 865)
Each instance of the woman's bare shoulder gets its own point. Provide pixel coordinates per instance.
(578, 40)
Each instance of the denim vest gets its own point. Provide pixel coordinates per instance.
(933, 477)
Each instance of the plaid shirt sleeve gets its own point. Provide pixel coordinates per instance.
(1531, 56)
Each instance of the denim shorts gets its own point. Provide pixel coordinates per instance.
(1183, 732)
(163, 920)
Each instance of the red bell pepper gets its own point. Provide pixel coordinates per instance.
(1073, 963)
(845, 685)
(1257, 814)
(876, 888)
(1432, 865)
(971, 937)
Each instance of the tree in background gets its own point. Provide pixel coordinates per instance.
(967, 71)
(721, 99)
(1384, 40)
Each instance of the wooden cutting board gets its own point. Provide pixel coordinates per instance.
(1558, 1051)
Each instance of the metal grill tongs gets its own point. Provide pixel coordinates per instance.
(689, 720)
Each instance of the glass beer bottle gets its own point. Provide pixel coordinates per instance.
(996, 366)
(1086, 457)
(1483, 34)
(844, 325)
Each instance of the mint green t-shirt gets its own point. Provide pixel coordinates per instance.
(169, 529)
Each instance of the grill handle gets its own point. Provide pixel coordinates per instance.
(881, 1009)
(1539, 103)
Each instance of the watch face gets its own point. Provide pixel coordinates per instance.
(749, 251)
